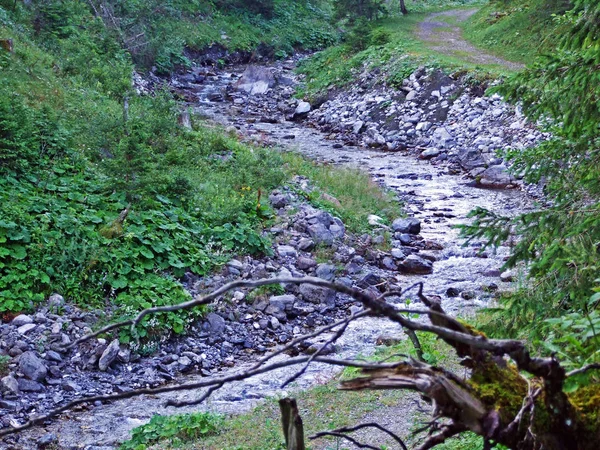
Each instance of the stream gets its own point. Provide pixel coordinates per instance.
(430, 193)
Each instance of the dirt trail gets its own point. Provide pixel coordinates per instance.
(442, 33)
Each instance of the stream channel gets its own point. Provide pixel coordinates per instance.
(430, 193)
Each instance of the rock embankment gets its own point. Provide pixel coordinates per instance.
(443, 118)
(41, 375)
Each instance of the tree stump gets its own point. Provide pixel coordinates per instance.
(293, 429)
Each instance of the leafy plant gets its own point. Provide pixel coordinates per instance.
(173, 429)
(4, 362)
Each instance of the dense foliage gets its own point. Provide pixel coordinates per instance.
(72, 165)
(559, 242)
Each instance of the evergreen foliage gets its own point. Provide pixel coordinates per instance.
(559, 242)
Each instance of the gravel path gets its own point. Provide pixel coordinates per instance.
(442, 33)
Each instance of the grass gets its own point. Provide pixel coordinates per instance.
(358, 195)
(321, 407)
(514, 29)
(403, 52)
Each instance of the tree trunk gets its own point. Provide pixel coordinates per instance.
(293, 429)
(403, 7)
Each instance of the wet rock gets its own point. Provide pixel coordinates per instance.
(32, 367)
(21, 319)
(452, 292)
(507, 276)
(109, 355)
(416, 265)
(411, 226)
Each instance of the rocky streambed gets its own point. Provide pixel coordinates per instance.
(432, 142)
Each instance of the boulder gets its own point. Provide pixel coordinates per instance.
(320, 234)
(109, 355)
(302, 109)
(411, 226)
(21, 319)
(216, 324)
(415, 265)
(326, 271)
(304, 263)
(9, 384)
(278, 201)
(496, 177)
(255, 80)
(32, 367)
(316, 294)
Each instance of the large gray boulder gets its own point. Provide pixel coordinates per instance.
(255, 80)
(410, 226)
(496, 177)
(416, 265)
(32, 367)
(109, 355)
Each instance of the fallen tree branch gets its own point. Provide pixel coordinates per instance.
(584, 369)
(360, 427)
(189, 386)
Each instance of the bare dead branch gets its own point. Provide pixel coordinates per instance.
(343, 436)
(189, 386)
(329, 341)
(594, 366)
(367, 425)
(208, 393)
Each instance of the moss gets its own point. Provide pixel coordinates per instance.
(471, 329)
(501, 388)
(586, 401)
